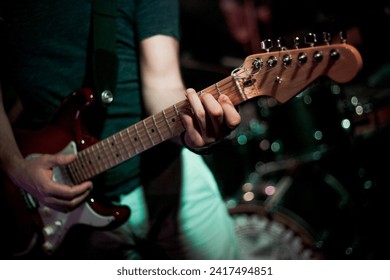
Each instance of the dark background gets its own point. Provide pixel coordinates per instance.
(340, 184)
(337, 187)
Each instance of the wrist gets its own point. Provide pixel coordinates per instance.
(206, 150)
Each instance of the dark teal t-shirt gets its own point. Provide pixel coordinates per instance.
(47, 58)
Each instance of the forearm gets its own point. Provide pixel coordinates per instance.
(162, 84)
(208, 120)
(10, 155)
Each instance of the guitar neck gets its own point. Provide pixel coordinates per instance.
(141, 136)
(280, 75)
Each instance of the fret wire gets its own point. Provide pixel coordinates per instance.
(139, 137)
(73, 172)
(115, 153)
(176, 117)
(127, 143)
(102, 157)
(231, 87)
(97, 163)
(167, 122)
(136, 140)
(91, 166)
(147, 132)
(166, 132)
(106, 148)
(222, 85)
(118, 151)
(122, 148)
(109, 148)
(167, 126)
(162, 130)
(131, 140)
(139, 140)
(215, 92)
(176, 110)
(76, 169)
(86, 154)
(79, 165)
(218, 89)
(228, 86)
(84, 170)
(155, 139)
(173, 131)
(155, 134)
(129, 154)
(107, 154)
(157, 127)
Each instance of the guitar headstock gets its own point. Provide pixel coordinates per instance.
(283, 74)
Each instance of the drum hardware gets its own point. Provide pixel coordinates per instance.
(276, 236)
(295, 210)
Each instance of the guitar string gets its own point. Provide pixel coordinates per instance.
(222, 86)
(108, 151)
(122, 146)
(120, 151)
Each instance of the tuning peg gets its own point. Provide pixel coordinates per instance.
(297, 41)
(266, 44)
(326, 38)
(281, 44)
(310, 39)
(343, 36)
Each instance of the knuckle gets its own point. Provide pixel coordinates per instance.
(200, 114)
(217, 112)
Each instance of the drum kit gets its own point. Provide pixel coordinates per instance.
(309, 168)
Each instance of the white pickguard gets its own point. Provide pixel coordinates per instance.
(56, 224)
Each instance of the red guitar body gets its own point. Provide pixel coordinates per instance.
(37, 227)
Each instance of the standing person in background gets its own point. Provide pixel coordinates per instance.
(176, 208)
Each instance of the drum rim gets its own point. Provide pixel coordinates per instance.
(288, 219)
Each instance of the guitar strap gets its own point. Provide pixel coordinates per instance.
(104, 57)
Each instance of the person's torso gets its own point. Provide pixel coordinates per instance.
(48, 58)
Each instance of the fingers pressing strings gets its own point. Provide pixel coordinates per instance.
(209, 120)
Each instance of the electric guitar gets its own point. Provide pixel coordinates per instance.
(279, 74)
